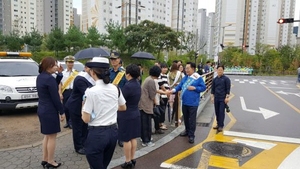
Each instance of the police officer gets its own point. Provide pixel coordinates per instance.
(100, 105)
(117, 74)
(66, 86)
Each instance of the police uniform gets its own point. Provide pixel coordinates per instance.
(101, 102)
(68, 89)
(113, 73)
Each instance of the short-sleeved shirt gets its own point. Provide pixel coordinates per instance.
(66, 75)
(103, 100)
(148, 95)
(163, 81)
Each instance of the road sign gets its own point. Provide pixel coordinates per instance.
(265, 112)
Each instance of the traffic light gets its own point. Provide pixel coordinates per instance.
(245, 46)
(196, 55)
(222, 46)
(285, 20)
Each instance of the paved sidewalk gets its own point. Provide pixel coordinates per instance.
(29, 157)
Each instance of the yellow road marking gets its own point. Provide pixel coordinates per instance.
(286, 102)
(204, 162)
(223, 162)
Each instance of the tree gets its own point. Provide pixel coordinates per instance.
(74, 39)
(34, 40)
(55, 40)
(93, 38)
(2, 41)
(115, 39)
(13, 42)
(188, 40)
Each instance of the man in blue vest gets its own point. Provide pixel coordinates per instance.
(191, 86)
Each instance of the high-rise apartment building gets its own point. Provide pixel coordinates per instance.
(209, 48)
(201, 31)
(17, 16)
(54, 13)
(76, 18)
(248, 22)
(126, 12)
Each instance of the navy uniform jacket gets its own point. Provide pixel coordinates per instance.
(220, 87)
(49, 100)
(74, 103)
(113, 74)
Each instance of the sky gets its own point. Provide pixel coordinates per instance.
(208, 4)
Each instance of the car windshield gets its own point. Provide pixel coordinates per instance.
(18, 69)
(77, 66)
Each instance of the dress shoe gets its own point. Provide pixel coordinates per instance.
(43, 163)
(120, 143)
(133, 162)
(70, 126)
(127, 165)
(48, 165)
(191, 140)
(220, 129)
(215, 128)
(159, 131)
(81, 151)
(66, 125)
(227, 109)
(183, 134)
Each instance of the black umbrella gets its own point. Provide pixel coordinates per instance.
(90, 53)
(143, 55)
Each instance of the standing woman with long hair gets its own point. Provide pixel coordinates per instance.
(100, 106)
(50, 109)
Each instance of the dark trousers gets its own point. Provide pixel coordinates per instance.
(162, 108)
(146, 127)
(156, 120)
(220, 111)
(100, 146)
(66, 95)
(189, 116)
(79, 130)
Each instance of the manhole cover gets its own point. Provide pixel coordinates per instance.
(227, 149)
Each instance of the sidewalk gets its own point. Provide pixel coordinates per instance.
(29, 157)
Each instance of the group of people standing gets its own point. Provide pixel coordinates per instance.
(102, 105)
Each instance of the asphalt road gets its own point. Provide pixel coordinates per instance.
(261, 131)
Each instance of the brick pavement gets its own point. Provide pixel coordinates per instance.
(29, 156)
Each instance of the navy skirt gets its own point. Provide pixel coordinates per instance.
(129, 129)
(49, 123)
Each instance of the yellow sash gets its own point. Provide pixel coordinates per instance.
(69, 80)
(118, 78)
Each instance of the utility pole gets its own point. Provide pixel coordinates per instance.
(129, 12)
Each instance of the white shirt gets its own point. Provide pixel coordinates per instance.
(102, 99)
(157, 96)
(66, 75)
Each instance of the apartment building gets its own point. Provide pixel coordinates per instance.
(76, 18)
(209, 48)
(248, 22)
(17, 16)
(201, 31)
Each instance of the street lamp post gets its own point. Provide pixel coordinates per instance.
(223, 34)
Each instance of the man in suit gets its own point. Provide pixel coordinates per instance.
(74, 105)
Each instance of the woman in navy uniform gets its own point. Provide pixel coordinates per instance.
(74, 105)
(129, 122)
(50, 109)
(100, 106)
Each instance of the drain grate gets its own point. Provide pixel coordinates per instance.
(203, 124)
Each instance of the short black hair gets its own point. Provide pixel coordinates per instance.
(155, 71)
(163, 65)
(222, 66)
(175, 61)
(133, 70)
(208, 62)
(192, 64)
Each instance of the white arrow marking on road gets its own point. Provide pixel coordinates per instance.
(265, 112)
(287, 93)
(257, 144)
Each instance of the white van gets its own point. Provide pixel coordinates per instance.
(18, 73)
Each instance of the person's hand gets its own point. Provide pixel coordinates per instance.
(212, 100)
(226, 100)
(60, 69)
(191, 88)
(61, 96)
(62, 117)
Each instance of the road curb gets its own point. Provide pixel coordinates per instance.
(160, 142)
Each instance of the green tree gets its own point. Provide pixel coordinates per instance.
(13, 42)
(2, 41)
(93, 37)
(187, 41)
(34, 40)
(74, 39)
(55, 40)
(115, 39)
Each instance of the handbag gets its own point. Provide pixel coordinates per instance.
(156, 112)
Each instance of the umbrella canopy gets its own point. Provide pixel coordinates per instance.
(143, 55)
(90, 53)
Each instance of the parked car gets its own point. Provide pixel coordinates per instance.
(77, 65)
(18, 73)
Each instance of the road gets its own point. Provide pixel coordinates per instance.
(261, 131)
